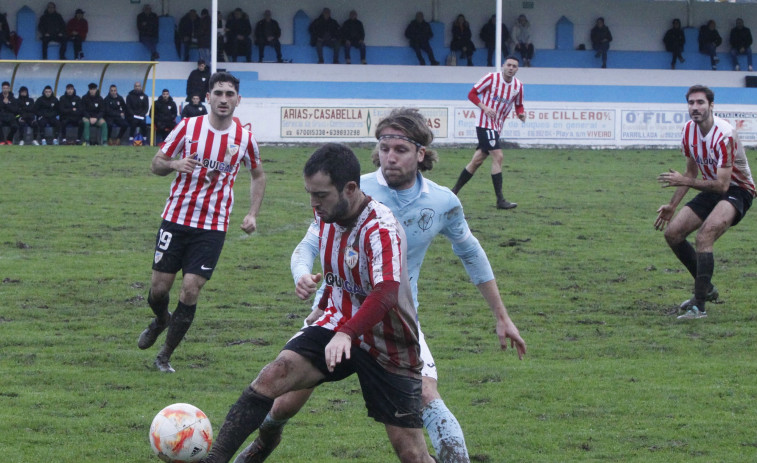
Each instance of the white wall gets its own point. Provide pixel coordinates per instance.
(635, 24)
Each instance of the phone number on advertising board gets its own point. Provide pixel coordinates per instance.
(329, 132)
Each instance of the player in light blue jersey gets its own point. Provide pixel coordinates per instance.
(425, 210)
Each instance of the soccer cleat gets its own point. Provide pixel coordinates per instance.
(21, 143)
(55, 141)
(35, 143)
(258, 451)
(505, 204)
(693, 313)
(64, 141)
(44, 142)
(163, 365)
(712, 296)
(151, 333)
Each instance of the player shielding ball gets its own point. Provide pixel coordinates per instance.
(495, 94)
(206, 153)
(711, 146)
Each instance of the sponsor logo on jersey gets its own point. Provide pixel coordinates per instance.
(350, 257)
(706, 161)
(217, 165)
(334, 280)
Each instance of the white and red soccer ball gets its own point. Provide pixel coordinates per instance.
(181, 433)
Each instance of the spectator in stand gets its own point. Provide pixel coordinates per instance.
(521, 34)
(709, 41)
(238, 30)
(147, 25)
(5, 32)
(8, 114)
(93, 113)
(77, 29)
(489, 35)
(419, 32)
(52, 28)
(137, 105)
(741, 44)
(47, 108)
(27, 117)
(461, 39)
(115, 115)
(267, 33)
(600, 40)
(71, 113)
(197, 82)
(353, 35)
(194, 109)
(204, 36)
(221, 38)
(189, 32)
(674, 41)
(164, 117)
(324, 30)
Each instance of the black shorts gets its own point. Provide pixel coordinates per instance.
(703, 203)
(488, 139)
(390, 398)
(192, 250)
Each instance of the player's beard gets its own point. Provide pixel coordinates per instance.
(397, 180)
(339, 212)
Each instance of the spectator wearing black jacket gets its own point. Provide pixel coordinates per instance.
(137, 106)
(93, 109)
(71, 112)
(115, 115)
(164, 115)
(5, 32)
(741, 44)
(324, 30)
(52, 28)
(47, 108)
(238, 30)
(489, 35)
(27, 117)
(674, 41)
(267, 33)
(461, 39)
(709, 41)
(194, 109)
(418, 32)
(148, 26)
(204, 35)
(197, 82)
(353, 35)
(189, 31)
(8, 114)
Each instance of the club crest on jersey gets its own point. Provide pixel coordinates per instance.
(158, 256)
(350, 257)
(233, 149)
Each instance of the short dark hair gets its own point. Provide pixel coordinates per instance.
(223, 77)
(5, 83)
(413, 124)
(704, 89)
(512, 57)
(337, 161)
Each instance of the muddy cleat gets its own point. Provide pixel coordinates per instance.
(505, 204)
(258, 451)
(693, 313)
(151, 333)
(712, 296)
(162, 364)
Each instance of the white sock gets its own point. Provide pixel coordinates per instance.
(445, 433)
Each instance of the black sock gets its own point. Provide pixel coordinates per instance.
(244, 417)
(181, 320)
(702, 283)
(497, 181)
(462, 180)
(687, 255)
(159, 306)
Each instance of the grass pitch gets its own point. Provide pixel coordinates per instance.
(610, 375)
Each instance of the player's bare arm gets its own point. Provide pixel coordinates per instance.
(257, 191)
(163, 165)
(506, 329)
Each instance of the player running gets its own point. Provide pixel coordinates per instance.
(206, 153)
(499, 92)
(426, 210)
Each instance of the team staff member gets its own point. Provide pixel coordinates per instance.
(711, 146)
(93, 114)
(47, 108)
(206, 153)
(71, 112)
(166, 112)
(137, 105)
(499, 92)
(427, 210)
(368, 324)
(115, 115)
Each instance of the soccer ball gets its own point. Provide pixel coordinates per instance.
(181, 433)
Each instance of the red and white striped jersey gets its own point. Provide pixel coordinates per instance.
(721, 147)
(204, 199)
(494, 92)
(354, 261)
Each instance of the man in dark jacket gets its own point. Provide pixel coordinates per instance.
(197, 82)
(709, 41)
(115, 115)
(741, 44)
(324, 30)
(137, 105)
(267, 33)
(194, 109)
(5, 32)
(93, 109)
(164, 117)
(189, 31)
(8, 114)
(674, 41)
(418, 32)
(353, 35)
(147, 26)
(600, 40)
(488, 34)
(238, 30)
(47, 109)
(27, 117)
(71, 113)
(52, 28)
